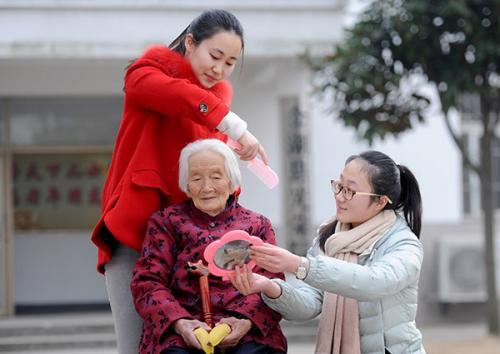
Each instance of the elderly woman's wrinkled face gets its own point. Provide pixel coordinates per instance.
(208, 183)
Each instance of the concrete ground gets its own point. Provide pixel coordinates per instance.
(460, 331)
(481, 345)
(460, 339)
(485, 345)
(295, 348)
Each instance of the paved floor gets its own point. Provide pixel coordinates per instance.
(453, 336)
(481, 345)
(295, 348)
(486, 345)
(477, 346)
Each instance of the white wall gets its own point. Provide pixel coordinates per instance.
(114, 28)
(61, 77)
(56, 268)
(257, 93)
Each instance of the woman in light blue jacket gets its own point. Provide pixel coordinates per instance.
(361, 273)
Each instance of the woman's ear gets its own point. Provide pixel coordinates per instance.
(188, 193)
(382, 202)
(189, 43)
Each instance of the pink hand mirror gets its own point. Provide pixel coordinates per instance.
(231, 250)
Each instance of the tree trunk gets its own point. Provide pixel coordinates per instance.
(488, 206)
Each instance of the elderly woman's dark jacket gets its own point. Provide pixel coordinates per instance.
(164, 291)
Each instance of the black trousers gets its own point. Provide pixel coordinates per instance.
(245, 348)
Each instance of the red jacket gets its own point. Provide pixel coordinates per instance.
(165, 108)
(164, 291)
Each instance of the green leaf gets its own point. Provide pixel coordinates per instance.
(449, 43)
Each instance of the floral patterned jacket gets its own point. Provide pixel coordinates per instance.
(164, 291)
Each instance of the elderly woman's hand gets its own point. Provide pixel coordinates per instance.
(274, 259)
(239, 327)
(185, 328)
(247, 282)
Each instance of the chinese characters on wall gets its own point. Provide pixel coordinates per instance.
(57, 191)
(297, 195)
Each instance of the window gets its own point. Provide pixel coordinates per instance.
(63, 122)
(60, 150)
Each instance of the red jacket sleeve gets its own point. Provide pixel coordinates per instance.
(150, 88)
(153, 300)
(252, 306)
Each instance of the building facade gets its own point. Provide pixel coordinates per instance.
(61, 79)
(61, 72)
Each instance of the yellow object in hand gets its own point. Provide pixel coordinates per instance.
(202, 335)
(218, 333)
(209, 340)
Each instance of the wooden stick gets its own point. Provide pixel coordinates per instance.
(198, 268)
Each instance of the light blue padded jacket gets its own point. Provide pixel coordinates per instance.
(385, 283)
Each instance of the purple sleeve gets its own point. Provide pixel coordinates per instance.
(152, 298)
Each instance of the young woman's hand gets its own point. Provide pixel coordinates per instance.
(250, 148)
(185, 328)
(274, 259)
(239, 327)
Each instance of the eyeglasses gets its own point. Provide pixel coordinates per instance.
(348, 194)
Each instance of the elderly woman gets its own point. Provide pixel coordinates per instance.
(167, 296)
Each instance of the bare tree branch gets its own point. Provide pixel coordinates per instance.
(496, 120)
(461, 146)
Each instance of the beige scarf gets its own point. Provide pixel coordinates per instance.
(338, 331)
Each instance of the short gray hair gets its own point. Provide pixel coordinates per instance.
(217, 146)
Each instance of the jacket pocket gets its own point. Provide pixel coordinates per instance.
(149, 178)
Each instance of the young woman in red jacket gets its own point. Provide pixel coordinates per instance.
(173, 96)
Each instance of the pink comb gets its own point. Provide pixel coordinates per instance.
(258, 167)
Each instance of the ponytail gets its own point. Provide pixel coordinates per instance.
(397, 183)
(325, 230)
(178, 44)
(410, 201)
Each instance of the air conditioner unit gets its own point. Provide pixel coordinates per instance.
(461, 269)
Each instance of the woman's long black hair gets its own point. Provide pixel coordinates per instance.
(396, 182)
(205, 26)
